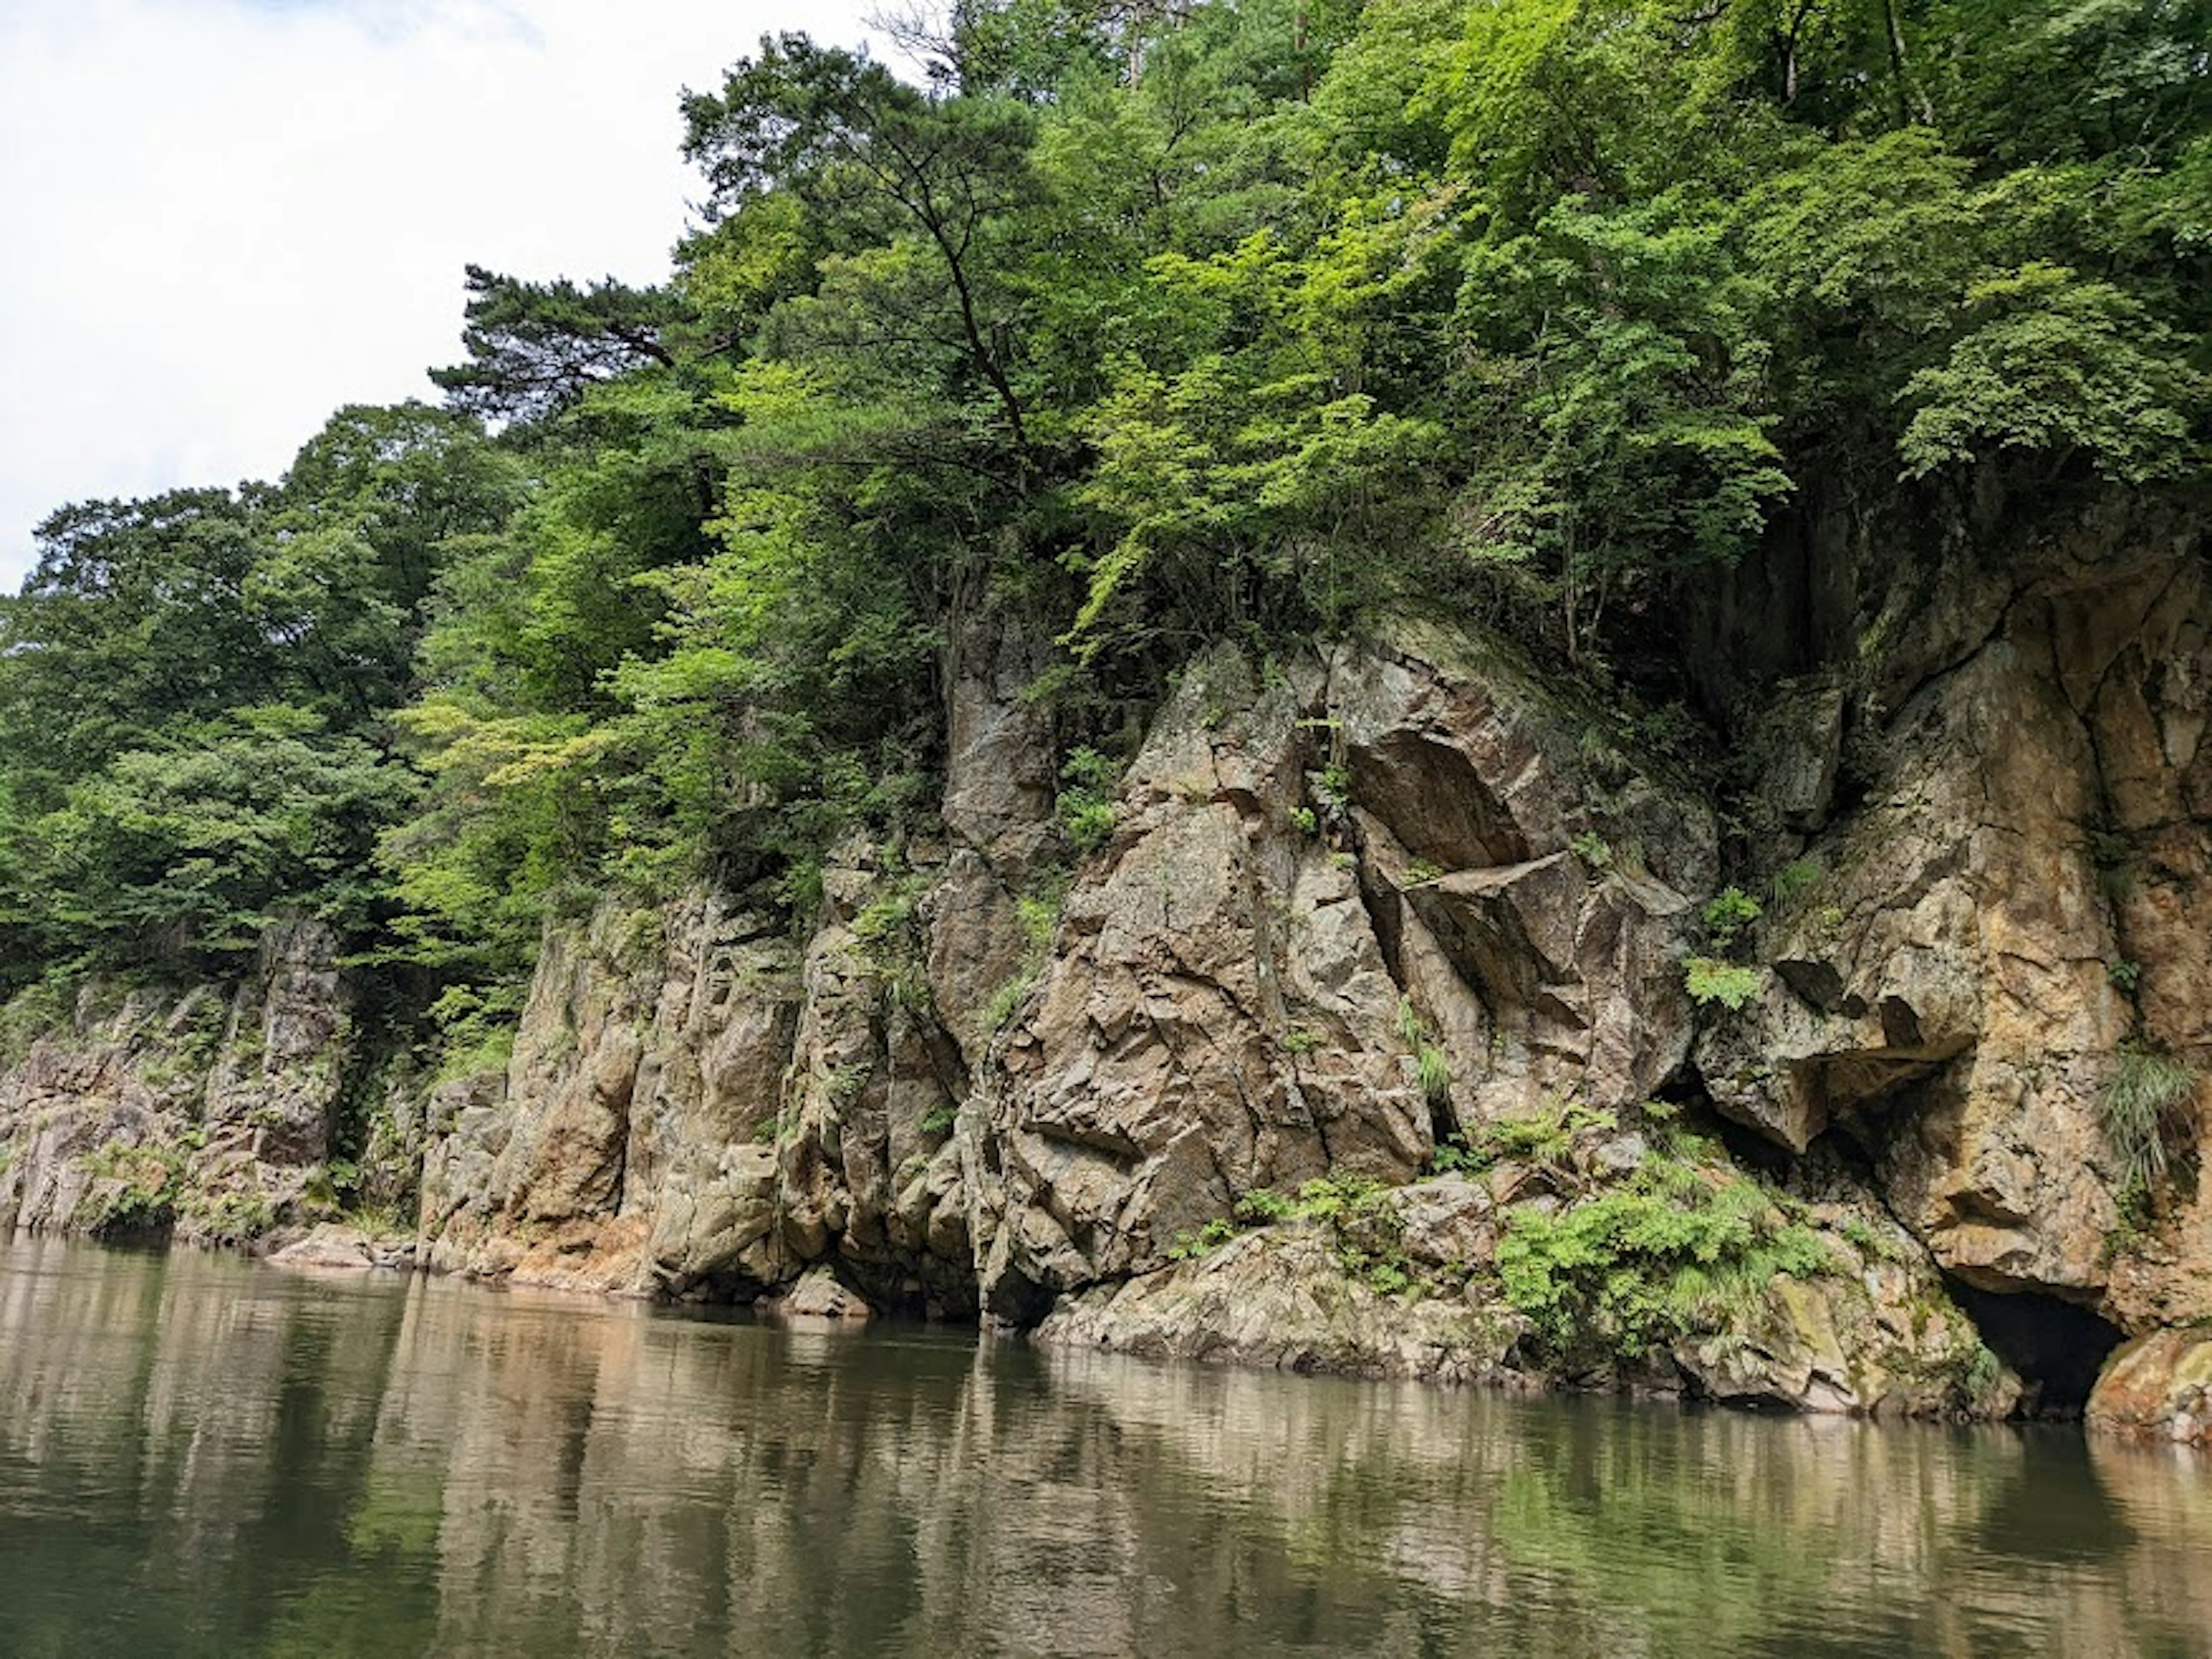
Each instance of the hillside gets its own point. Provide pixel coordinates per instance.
(1505, 691)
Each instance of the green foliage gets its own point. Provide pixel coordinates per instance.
(536, 347)
(1713, 978)
(1189, 1247)
(1593, 850)
(1709, 979)
(1727, 916)
(42, 1008)
(1452, 1158)
(2139, 1107)
(1675, 1249)
(1543, 1137)
(2054, 362)
(1795, 879)
(1264, 1205)
(1431, 1065)
(1087, 801)
(230, 1217)
(131, 1188)
(1530, 310)
(998, 1010)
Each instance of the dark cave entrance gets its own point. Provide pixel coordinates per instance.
(2057, 1347)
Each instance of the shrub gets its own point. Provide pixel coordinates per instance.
(2146, 1090)
(1674, 1247)
(1795, 878)
(1729, 914)
(1543, 1137)
(1707, 979)
(133, 1188)
(1431, 1065)
(1593, 850)
(1086, 802)
(1263, 1204)
(1189, 1247)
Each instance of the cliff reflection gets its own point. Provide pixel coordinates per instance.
(199, 1456)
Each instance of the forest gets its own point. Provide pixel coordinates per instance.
(1132, 327)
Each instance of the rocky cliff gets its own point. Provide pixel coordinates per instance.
(155, 1111)
(1413, 1014)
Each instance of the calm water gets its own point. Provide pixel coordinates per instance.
(201, 1455)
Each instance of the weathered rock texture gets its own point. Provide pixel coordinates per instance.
(1967, 952)
(1314, 879)
(185, 1111)
(699, 1104)
(1357, 906)
(2159, 1387)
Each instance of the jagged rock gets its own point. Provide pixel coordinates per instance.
(622, 1149)
(1237, 1002)
(1000, 784)
(1357, 903)
(1218, 1016)
(188, 1111)
(1798, 745)
(1954, 981)
(1540, 931)
(2159, 1386)
(1872, 1335)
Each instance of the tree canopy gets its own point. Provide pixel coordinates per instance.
(1130, 326)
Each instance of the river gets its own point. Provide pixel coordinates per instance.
(204, 1455)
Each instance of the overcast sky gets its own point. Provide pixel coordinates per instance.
(220, 220)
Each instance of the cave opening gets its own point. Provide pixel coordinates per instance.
(2055, 1346)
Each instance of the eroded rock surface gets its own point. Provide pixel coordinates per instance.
(1962, 963)
(188, 1112)
(1362, 913)
(2159, 1387)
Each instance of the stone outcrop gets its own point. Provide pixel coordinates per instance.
(2159, 1387)
(697, 1104)
(183, 1112)
(1340, 916)
(1373, 915)
(1963, 960)
(1406, 1281)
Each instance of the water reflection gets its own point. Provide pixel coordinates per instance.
(202, 1457)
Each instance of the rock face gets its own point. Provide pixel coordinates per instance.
(696, 1106)
(1407, 918)
(1966, 960)
(1406, 1281)
(184, 1112)
(1340, 917)
(2159, 1387)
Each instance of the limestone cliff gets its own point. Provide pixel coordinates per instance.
(1373, 1036)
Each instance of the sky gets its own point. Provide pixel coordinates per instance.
(220, 220)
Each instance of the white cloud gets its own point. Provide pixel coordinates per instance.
(222, 219)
